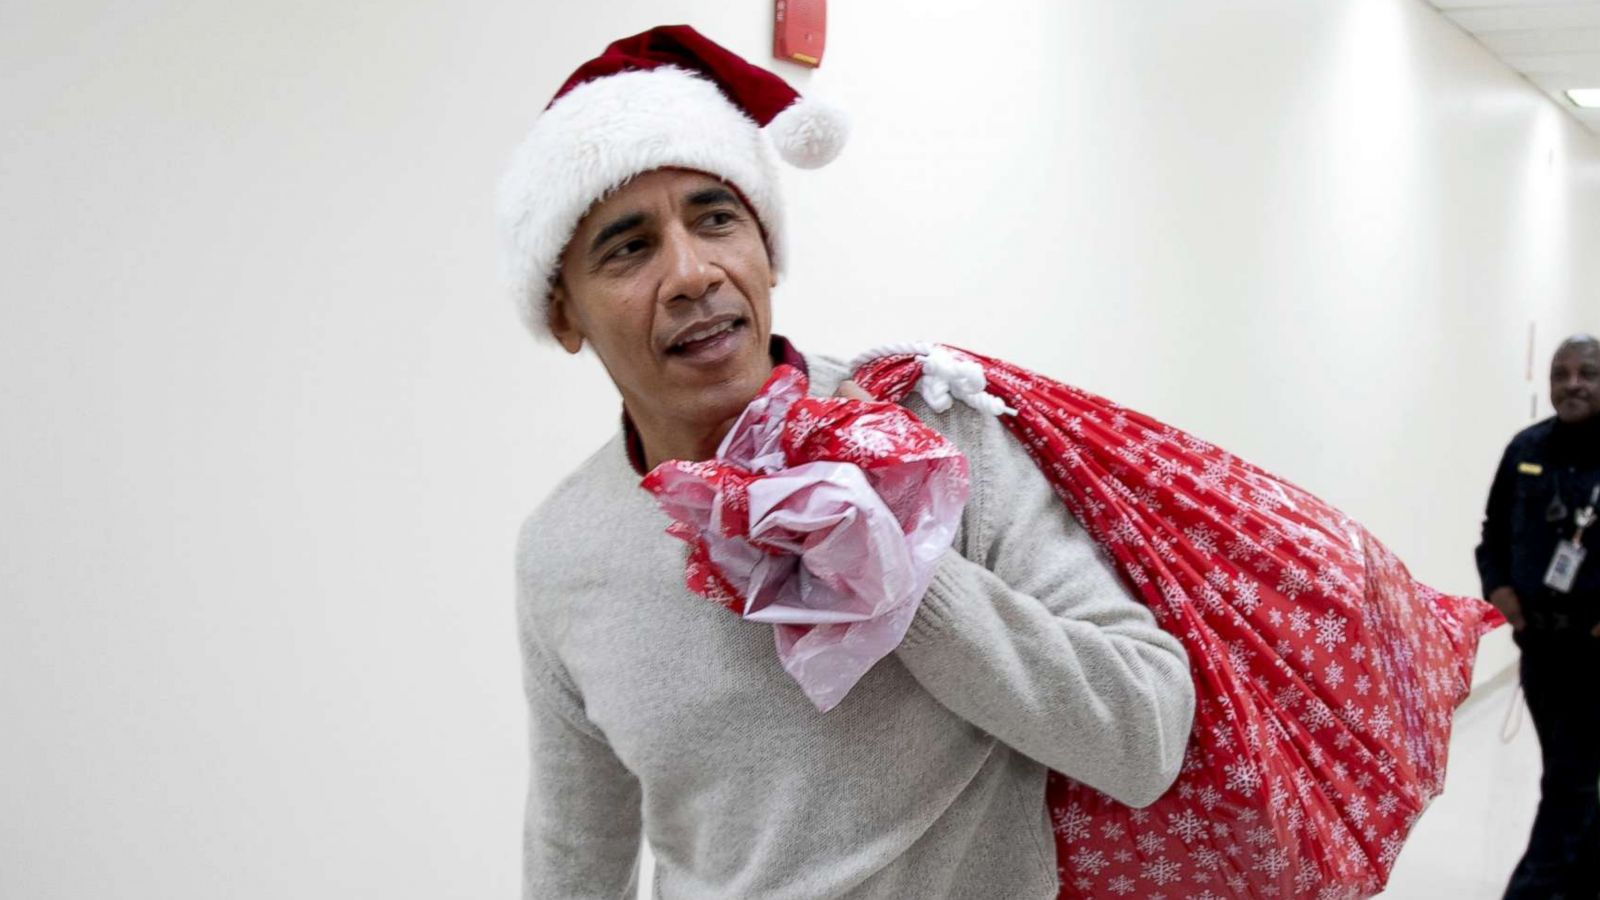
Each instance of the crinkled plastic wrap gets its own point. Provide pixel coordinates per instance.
(823, 517)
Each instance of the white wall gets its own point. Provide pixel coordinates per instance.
(269, 425)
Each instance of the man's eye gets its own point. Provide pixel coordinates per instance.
(631, 248)
(720, 218)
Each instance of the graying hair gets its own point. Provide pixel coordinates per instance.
(1585, 341)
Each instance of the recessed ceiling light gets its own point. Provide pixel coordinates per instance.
(1588, 98)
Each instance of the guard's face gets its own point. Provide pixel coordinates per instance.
(1575, 383)
(668, 280)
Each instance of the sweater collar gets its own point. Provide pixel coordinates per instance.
(782, 352)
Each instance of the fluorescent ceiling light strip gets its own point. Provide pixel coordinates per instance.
(1588, 98)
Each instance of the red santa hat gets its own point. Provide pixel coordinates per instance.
(665, 98)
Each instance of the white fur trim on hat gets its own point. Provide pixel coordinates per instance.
(602, 133)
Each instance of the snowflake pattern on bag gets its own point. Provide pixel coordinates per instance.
(1325, 675)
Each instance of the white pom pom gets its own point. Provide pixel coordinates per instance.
(809, 134)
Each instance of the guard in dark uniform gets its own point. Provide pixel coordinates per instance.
(1540, 564)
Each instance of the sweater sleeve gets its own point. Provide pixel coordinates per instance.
(581, 831)
(1039, 643)
(1494, 549)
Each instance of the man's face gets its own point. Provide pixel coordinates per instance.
(668, 280)
(1575, 382)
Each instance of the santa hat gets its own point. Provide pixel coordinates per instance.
(668, 97)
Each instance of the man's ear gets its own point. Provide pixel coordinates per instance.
(558, 316)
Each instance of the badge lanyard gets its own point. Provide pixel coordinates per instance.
(1569, 554)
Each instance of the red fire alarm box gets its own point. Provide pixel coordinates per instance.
(799, 31)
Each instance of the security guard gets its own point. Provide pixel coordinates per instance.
(1540, 565)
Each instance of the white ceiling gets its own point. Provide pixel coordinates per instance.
(1554, 43)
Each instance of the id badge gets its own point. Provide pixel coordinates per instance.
(1564, 566)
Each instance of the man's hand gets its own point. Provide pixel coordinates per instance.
(1505, 599)
(848, 388)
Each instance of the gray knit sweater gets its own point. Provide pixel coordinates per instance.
(653, 709)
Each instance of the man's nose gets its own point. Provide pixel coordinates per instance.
(690, 272)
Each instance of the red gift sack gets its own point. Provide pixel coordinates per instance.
(1325, 674)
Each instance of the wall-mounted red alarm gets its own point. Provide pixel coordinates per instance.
(800, 31)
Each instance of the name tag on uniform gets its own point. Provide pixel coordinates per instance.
(1564, 566)
(1530, 468)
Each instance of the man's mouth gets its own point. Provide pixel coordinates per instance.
(707, 340)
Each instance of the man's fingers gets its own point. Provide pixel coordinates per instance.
(848, 388)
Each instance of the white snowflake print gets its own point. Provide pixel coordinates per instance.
(1241, 546)
(1330, 579)
(1124, 855)
(1330, 630)
(1380, 723)
(1362, 684)
(1121, 884)
(1151, 843)
(1167, 470)
(1391, 850)
(1173, 594)
(1265, 499)
(1243, 777)
(863, 442)
(1113, 831)
(1246, 595)
(1187, 826)
(1086, 860)
(1166, 550)
(1202, 538)
(1161, 871)
(1208, 858)
(1333, 674)
(1387, 804)
(1294, 816)
(1318, 716)
(1293, 581)
(1239, 656)
(1273, 861)
(1259, 836)
(1287, 698)
(1122, 531)
(1356, 809)
(1072, 823)
(1299, 622)
(1210, 797)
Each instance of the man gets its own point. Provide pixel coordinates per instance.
(642, 221)
(1539, 565)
